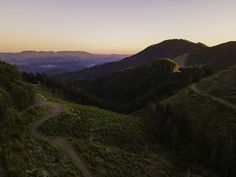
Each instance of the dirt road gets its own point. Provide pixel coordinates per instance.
(217, 99)
(56, 109)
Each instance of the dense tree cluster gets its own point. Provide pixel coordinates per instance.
(128, 90)
(132, 89)
(190, 141)
(14, 93)
(15, 96)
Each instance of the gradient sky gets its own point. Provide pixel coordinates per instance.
(112, 26)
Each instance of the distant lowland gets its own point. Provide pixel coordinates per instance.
(51, 62)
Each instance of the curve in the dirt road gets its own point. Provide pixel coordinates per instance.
(56, 109)
(217, 99)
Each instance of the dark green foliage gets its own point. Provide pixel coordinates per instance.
(222, 84)
(14, 93)
(167, 125)
(132, 89)
(112, 144)
(129, 90)
(21, 156)
(191, 141)
(124, 86)
(211, 141)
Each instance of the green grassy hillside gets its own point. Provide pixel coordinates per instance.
(212, 120)
(14, 93)
(221, 85)
(192, 132)
(111, 144)
(20, 154)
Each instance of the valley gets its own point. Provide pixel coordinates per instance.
(117, 88)
(155, 119)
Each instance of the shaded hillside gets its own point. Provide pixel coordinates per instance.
(128, 90)
(133, 88)
(14, 93)
(218, 57)
(126, 85)
(111, 144)
(222, 84)
(165, 49)
(208, 121)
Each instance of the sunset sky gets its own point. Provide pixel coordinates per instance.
(112, 26)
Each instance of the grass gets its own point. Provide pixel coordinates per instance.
(25, 156)
(212, 124)
(214, 116)
(221, 85)
(108, 161)
(111, 144)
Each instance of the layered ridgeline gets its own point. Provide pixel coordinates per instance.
(199, 123)
(165, 49)
(185, 53)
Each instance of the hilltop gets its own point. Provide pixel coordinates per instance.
(166, 49)
(218, 57)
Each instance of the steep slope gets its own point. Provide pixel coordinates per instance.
(165, 49)
(221, 85)
(218, 57)
(21, 156)
(210, 109)
(111, 144)
(14, 93)
(132, 89)
(126, 85)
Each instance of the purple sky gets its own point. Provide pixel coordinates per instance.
(112, 26)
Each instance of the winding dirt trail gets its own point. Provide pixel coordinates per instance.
(38, 102)
(217, 99)
(56, 109)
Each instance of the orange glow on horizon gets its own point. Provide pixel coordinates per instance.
(100, 27)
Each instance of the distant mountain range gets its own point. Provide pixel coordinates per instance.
(182, 51)
(56, 62)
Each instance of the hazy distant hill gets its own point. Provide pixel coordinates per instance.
(166, 49)
(56, 62)
(218, 57)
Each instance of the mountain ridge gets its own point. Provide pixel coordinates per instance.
(165, 49)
